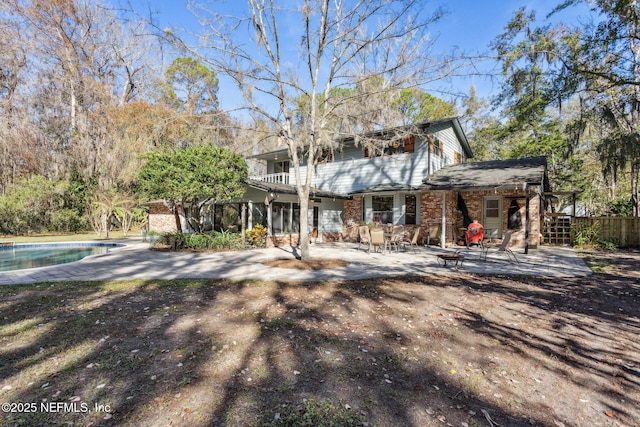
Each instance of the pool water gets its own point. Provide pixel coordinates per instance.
(19, 257)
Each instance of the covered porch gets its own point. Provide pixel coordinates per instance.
(501, 194)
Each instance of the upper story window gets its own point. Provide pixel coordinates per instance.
(405, 146)
(457, 158)
(280, 172)
(436, 147)
(326, 156)
(281, 166)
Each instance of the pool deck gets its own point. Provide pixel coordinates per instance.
(136, 261)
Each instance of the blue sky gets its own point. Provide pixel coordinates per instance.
(470, 26)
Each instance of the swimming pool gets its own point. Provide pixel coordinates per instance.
(23, 256)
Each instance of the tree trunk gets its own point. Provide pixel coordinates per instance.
(304, 226)
(635, 170)
(105, 223)
(176, 215)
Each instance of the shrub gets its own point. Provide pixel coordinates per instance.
(199, 241)
(176, 240)
(27, 205)
(610, 244)
(67, 220)
(257, 236)
(587, 235)
(226, 240)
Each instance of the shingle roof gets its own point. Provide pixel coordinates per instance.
(379, 188)
(493, 174)
(290, 189)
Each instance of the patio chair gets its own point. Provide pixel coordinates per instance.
(433, 233)
(365, 237)
(503, 248)
(397, 237)
(377, 238)
(413, 243)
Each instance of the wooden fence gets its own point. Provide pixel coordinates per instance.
(623, 231)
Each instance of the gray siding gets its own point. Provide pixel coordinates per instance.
(351, 171)
(331, 221)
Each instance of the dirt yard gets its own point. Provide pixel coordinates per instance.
(458, 350)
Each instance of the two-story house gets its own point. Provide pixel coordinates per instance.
(352, 186)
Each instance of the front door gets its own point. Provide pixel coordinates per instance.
(492, 216)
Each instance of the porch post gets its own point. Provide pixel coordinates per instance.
(269, 220)
(243, 218)
(443, 231)
(290, 227)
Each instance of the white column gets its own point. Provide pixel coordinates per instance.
(443, 232)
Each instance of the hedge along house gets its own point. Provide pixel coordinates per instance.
(501, 194)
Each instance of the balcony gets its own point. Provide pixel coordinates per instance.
(273, 178)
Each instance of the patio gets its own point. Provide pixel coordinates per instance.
(135, 261)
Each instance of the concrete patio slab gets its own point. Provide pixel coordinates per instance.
(136, 261)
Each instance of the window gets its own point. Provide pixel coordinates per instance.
(410, 209)
(285, 217)
(281, 170)
(436, 147)
(409, 144)
(227, 217)
(397, 147)
(326, 156)
(457, 158)
(259, 214)
(492, 208)
(382, 209)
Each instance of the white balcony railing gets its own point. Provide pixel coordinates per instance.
(273, 178)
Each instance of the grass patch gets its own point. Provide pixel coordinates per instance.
(68, 237)
(315, 412)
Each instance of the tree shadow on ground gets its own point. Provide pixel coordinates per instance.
(408, 351)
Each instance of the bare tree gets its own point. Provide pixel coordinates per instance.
(353, 57)
(82, 61)
(12, 62)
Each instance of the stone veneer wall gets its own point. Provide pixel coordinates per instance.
(161, 219)
(352, 218)
(431, 205)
